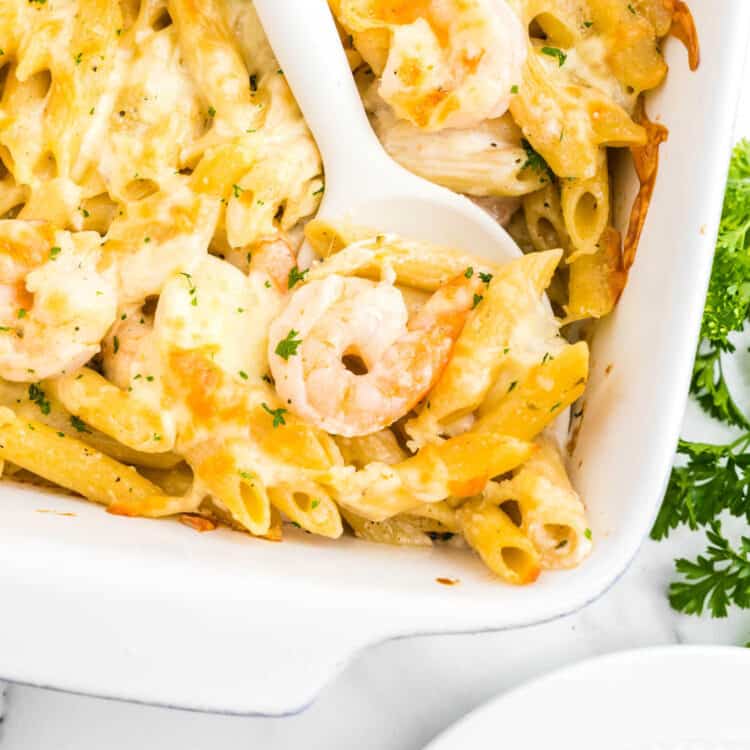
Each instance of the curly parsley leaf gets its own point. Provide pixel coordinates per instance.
(715, 580)
(716, 478)
(710, 389)
(728, 300)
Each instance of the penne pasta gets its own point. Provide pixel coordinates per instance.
(70, 463)
(542, 503)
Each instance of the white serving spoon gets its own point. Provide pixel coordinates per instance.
(363, 184)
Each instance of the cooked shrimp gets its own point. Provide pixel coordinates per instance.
(56, 301)
(128, 349)
(275, 259)
(331, 322)
(451, 63)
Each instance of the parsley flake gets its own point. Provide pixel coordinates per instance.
(555, 52)
(79, 424)
(39, 397)
(535, 161)
(277, 414)
(295, 276)
(288, 346)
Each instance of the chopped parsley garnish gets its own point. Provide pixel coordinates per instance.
(485, 277)
(277, 414)
(79, 424)
(21, 313)
(587, 533)
(243, 374)
(192, 289)
(295, 276)
(514, 89)
(211, 112)
(115, 344)
(78, 58)
(512, 386)
(631, 8)
(54, 252)
(320, 190)
(237, 190)
(469, 272)
(535, 161)
(555, 52)
(588, 24)
(39, 397)
(288, 346)
(315, 504)
(477, 299)
(248, 475)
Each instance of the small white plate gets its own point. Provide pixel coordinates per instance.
(668, 698)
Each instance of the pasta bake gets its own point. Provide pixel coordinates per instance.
(163, 353)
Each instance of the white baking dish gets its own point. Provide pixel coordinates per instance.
(151, 611)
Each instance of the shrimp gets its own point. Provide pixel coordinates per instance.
(57, 300)
(275, 259)
(129, 349)
(337, 321)
(450, 64)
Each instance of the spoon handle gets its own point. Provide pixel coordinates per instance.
(309, 50)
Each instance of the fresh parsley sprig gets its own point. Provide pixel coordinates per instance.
(716, 579)
(716, 478)
(710, 389)
(728, 300)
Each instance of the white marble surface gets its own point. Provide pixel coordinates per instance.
(398, 695)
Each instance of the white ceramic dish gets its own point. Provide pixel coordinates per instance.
(151, 611)
(669, 698)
